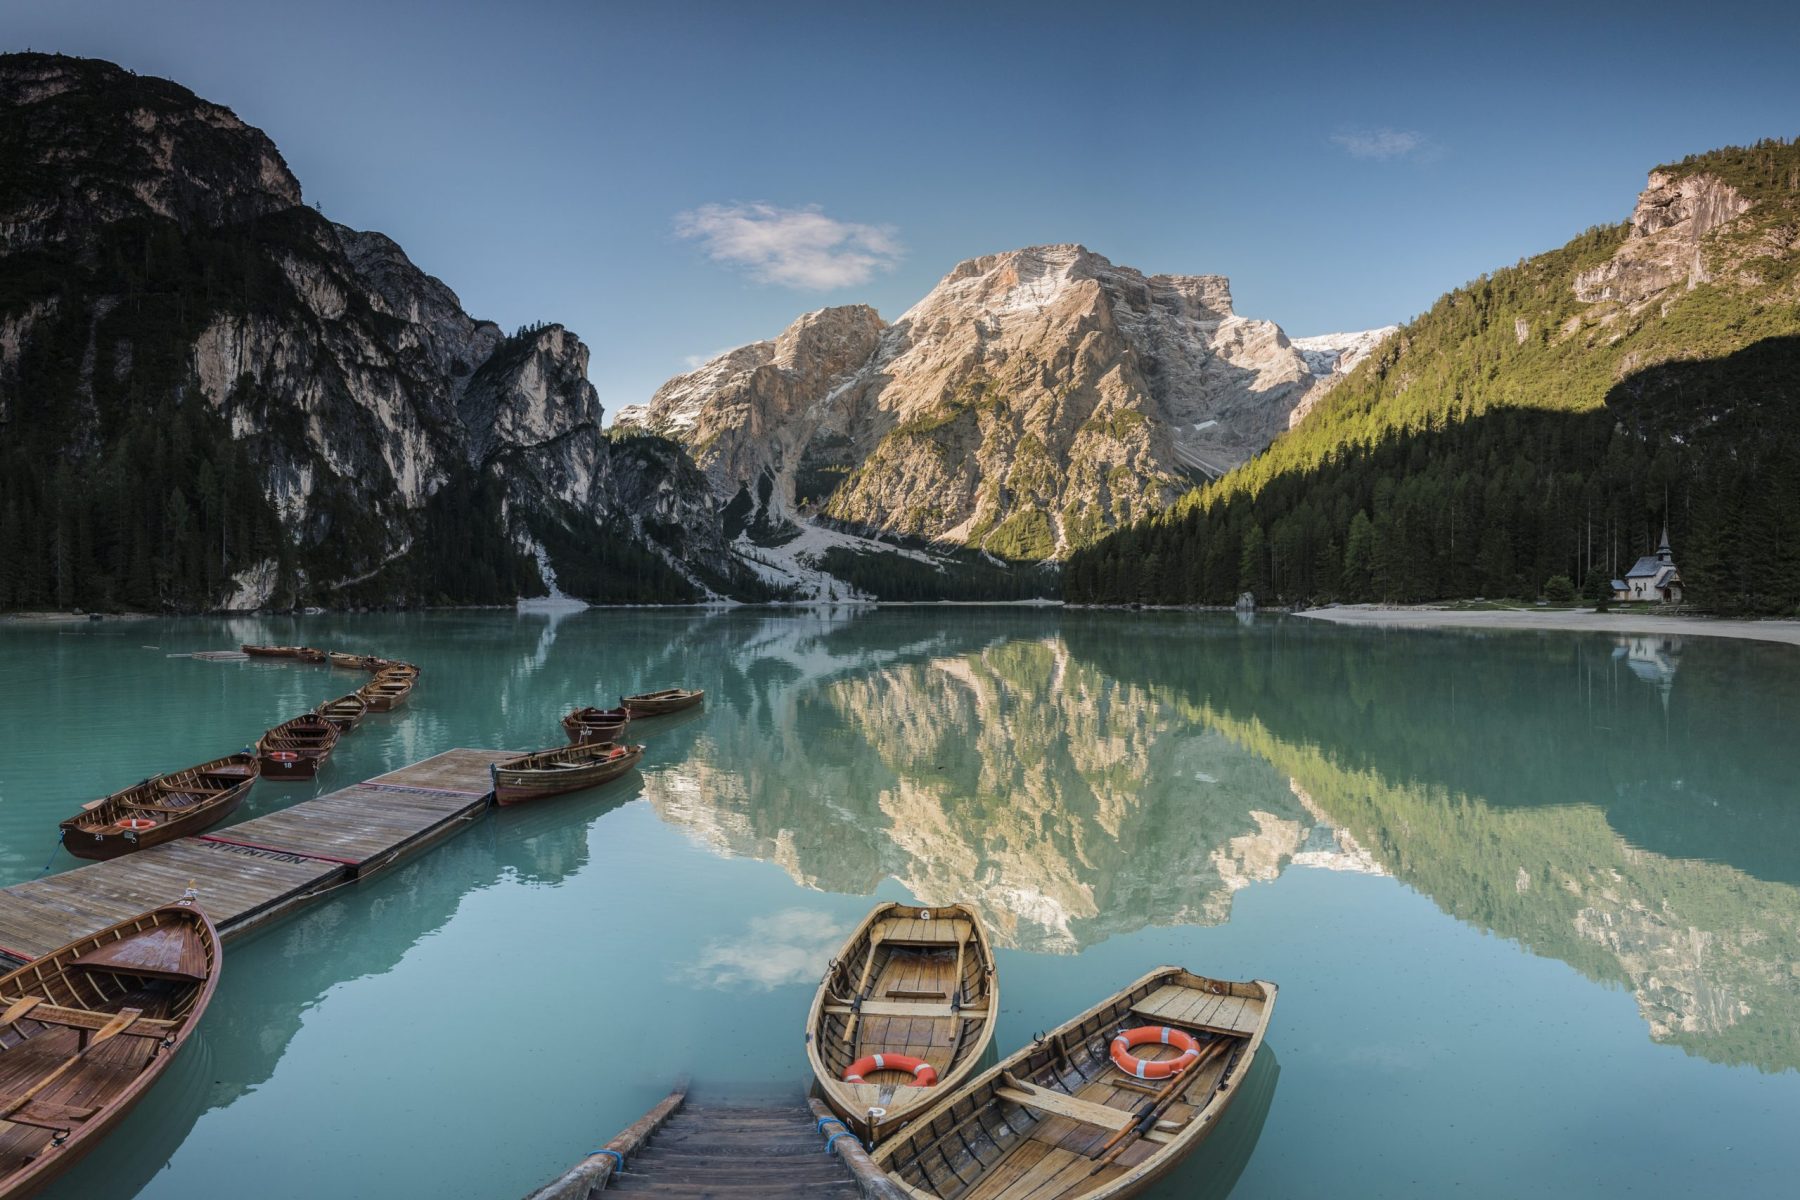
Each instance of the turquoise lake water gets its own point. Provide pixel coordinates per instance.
(1531, 899)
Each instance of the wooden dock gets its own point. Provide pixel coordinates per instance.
(686, 1152)
(255, 871)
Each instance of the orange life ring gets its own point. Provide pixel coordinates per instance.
(283, 756)
(137, 824)
(1144, 1035)
(924, 1074)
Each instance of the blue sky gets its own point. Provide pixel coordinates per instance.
(672, 179)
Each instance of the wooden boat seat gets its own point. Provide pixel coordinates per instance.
(907, 1008)
(1192, 1008)
(1062, 1104)
(910, 931)
(81, 1018)
(42, 1114)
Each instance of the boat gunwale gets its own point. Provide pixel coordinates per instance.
(955, 1074)
(1165, 1158)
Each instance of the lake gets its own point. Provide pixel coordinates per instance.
(1531, 899)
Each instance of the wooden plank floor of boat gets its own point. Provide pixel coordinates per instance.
(261, 868)
(728, 1150)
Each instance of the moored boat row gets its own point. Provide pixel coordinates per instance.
(192, 800)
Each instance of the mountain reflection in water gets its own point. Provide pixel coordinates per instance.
(1581, 796)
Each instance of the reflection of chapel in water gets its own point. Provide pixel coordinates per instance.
(1653, 658)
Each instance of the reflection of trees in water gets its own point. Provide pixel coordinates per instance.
(1707, 950)
(1538, 788)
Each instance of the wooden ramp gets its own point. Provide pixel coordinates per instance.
(734, 1152)
(252, 872)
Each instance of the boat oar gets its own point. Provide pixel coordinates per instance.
(121, 1021)
(19, 1008)
(1153, 1110)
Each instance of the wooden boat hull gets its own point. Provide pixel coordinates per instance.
(386, 692)
(911, 980)
(595, 725)
(345, 713)
(97, 834)
(534, 776)
(308, 654)
(296, 749)
(267, 651)
(657, 704)
(1058, 1118)
(351, 662)
(165, 962)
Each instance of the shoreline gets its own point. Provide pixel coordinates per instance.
(1582, 620)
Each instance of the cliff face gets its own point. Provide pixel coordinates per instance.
(155, 254)
(1032, 401)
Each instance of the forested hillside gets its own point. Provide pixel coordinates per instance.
(1540, 422)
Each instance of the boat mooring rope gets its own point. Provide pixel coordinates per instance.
(843, 1131)
(53, 850)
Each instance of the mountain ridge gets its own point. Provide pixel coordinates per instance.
(1029, 401)
(349, 433)
(1539, 423)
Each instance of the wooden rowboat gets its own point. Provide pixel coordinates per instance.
(656, 704)
(161, 808)
(296, 749)
(351, 662)
(595, 725)
(1060, 1118)
(390, 666)
(88, 1029)
(912, 982)
(387, 691)
(309, 654)
(268, 651)
(569, 769)
(346, 712)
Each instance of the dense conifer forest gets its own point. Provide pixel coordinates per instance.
(1507, 443)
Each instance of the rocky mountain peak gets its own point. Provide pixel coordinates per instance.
(87, 142)
(1031, 400)
(383, 444)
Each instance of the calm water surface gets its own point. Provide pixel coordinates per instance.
(1531, 900)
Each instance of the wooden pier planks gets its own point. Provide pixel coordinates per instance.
(744, 1152)
(259, 869)
(364, 826)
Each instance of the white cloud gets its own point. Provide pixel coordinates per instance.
(794, 247)
(790, 946)
(1382, 143)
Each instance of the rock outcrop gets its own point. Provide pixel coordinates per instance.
(1664, 248)
(390, 433)
(1030, 402)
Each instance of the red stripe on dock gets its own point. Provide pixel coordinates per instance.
(213, 837)
(18, 954)
(401, 787)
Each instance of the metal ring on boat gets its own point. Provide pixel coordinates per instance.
(1145, 1035)
(924, 1074)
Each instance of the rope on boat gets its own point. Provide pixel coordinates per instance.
(843, 1131)
(53, 850)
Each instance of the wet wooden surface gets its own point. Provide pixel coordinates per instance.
(254, 871)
